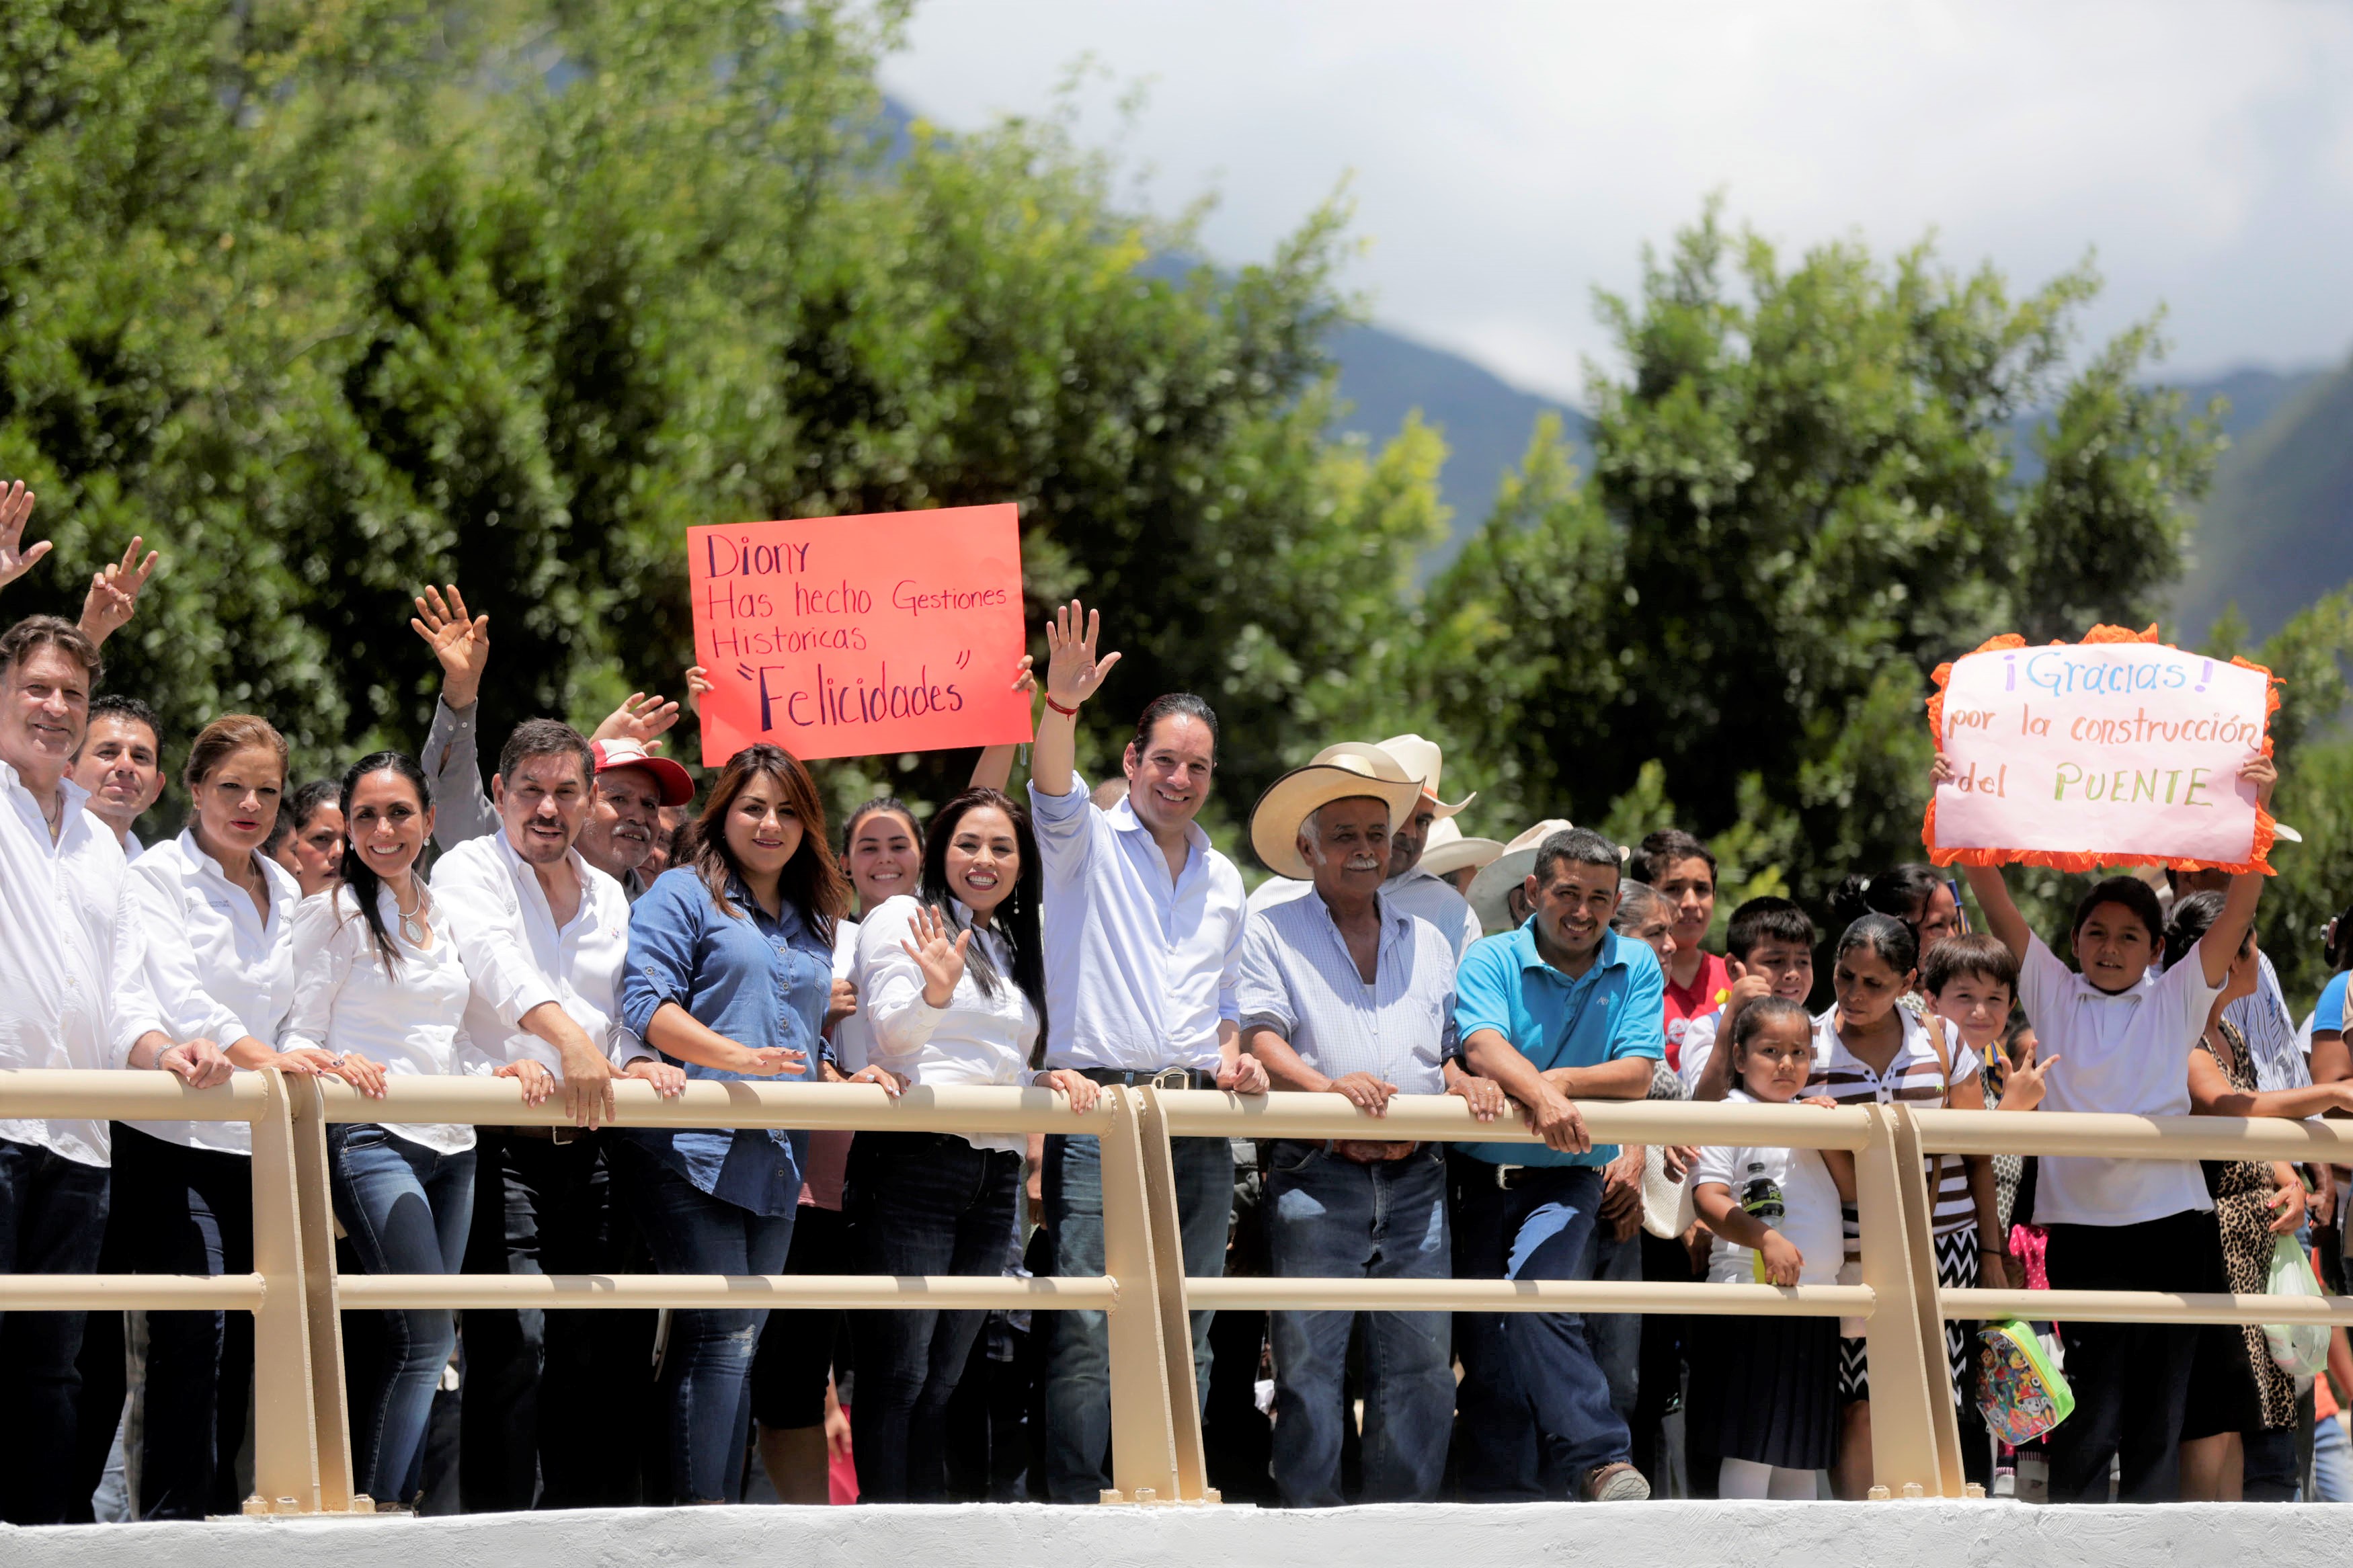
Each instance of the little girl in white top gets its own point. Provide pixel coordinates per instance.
(1765, 1390)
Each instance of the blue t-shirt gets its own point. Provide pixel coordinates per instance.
(2330, 1014)
(1617, 1008)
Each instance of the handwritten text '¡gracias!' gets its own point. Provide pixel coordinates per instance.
(2064, 672)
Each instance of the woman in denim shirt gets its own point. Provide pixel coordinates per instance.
(730, 969)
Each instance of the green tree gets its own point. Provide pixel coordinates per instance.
(1803, 502)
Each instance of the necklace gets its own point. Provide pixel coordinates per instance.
(414, 930)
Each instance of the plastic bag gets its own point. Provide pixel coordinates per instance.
(2019, 1385)
(2300, 1350)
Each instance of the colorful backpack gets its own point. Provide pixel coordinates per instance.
(2019, 1386)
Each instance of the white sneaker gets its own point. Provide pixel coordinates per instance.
(1616, 1483)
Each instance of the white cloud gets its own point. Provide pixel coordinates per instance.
(1509, 157)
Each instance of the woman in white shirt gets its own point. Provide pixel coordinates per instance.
(953, 989)
(377, 982)
(218, 917)
(2117, 1039)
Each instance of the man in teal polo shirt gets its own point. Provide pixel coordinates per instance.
(1559, 1010)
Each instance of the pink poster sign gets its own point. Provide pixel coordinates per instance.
(2098, 753)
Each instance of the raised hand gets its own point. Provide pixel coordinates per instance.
(937, 954)
(2263, 773)
(2025, 1089)
(462, 645)
(16, 505)
(1072, 672)
(1025, 677)
(698, 681)
(114, 597)
(640, 718)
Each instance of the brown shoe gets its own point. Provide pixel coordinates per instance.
(1616, 1483)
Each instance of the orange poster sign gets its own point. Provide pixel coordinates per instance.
(847, 636)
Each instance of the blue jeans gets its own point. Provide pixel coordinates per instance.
(1616, 1337)
(404, 1209)
(1535, 1408)
(2332, 1462)
(1078, 1379)
(919, 1202)
(702, 1393)
(1331, 1218)
(52, 1219)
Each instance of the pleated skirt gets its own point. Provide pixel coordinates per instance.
(1765, 1390)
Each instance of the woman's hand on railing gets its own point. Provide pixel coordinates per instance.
(1077, 1087)
(668, 1079)
(537, 1082)
(893, 1084)
(362, 1074)
(199, 1064)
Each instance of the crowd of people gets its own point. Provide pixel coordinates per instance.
(572, 925)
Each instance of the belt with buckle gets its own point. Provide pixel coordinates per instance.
(1369, 1152)
(1156, 1077)
(559, 1135)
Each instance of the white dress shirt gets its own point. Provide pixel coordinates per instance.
(347, 1000)
(1420, 893)
(72, 994)
(976, 1039)
(221, 969)
(853, 1037)
(1299, 980)
(1140, 969)
(517, 957)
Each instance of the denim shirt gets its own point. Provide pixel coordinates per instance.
(757, 981)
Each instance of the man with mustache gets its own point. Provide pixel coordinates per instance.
(631, 786)
(543, 932)
(1345, 991)
(1143, 942)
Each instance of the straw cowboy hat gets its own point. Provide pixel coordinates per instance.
(1350, 774)
(1508, 870)
(1447, 851)
(1421, 759)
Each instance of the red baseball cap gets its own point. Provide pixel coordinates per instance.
(677, 783)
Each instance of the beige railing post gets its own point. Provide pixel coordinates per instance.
(1175, 1318)
(285, 1422)
(322, 1304)
(1142, 1423)
(1920, 1236)
(1905, 1398)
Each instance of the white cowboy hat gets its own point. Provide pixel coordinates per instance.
(1420, 758)
(1507, 870)
(1276, 818)
(1447, 851)
(1667, 1210)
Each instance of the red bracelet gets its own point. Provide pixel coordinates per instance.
(1065, 713)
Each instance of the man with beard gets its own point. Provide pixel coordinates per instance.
(543, 933)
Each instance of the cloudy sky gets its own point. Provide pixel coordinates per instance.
(1507, 158)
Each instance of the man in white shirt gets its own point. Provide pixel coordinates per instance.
(120, 765)
(1410, 887)
(72, 994)
(544, 936)
(1143, 942)
(632, 783)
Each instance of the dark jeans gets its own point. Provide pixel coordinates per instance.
(404, 1209)
(2131, 1380)
(1534, 1407)
(188, 1211)
(554, 1400)
(1332, 1218)
(1078, 1358)
(702, 1397)
(919, 1202)
(52, 1220)
(798, 1348)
